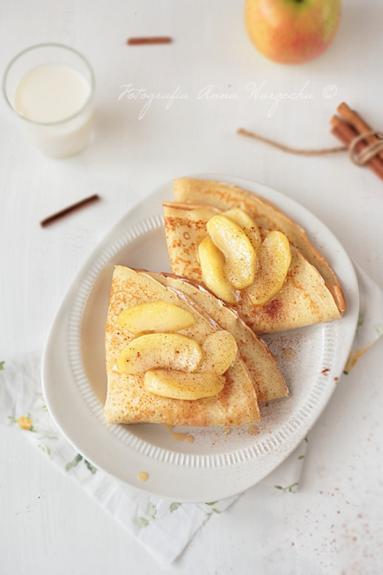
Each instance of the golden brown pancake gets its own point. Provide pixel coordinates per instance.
(224, 196)
(303, 300)
(128, 402)
(268, 380)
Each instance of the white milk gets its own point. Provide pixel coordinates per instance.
(56, 100)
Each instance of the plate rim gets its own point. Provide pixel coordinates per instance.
(110, 238)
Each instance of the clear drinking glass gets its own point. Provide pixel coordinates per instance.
(67, 135)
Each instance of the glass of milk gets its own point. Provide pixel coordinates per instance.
(51, 87)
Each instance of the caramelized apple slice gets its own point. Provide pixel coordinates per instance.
(274, 263)
(236, 247)
(179, 385)
(155, 316)
(247, 224)
(168, 350)
(220, 350)
(212, 266)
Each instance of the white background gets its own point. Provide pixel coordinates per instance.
(335, 524)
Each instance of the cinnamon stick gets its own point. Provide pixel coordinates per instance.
(146, 40)
(346, 133)
(74, 207)
(360, 125)
(364, 144)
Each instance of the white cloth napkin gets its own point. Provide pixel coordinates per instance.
(163, 526)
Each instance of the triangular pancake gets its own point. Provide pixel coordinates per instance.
(303, 300)
(128, 402)
(268, 380)
(225, 196)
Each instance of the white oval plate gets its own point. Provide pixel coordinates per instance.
(215, 465)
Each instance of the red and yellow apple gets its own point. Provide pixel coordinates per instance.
(292, 31)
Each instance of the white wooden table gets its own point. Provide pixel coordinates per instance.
(335, 524)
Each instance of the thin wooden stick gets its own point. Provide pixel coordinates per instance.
(146, 40)
(74, 207)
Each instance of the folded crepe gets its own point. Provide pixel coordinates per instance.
(267, 379)
(128, 401)
(311, 292)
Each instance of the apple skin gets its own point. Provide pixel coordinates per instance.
(292, 31)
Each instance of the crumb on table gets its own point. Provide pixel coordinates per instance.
(143, 475)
